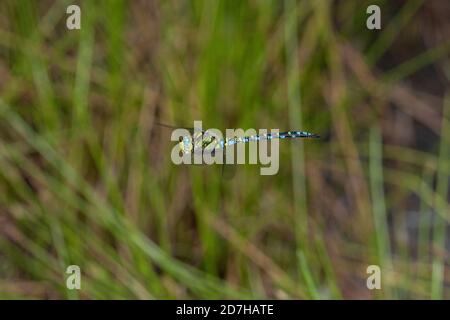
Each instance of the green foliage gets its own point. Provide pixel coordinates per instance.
(86, 176)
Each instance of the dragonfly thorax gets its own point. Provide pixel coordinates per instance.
(197, 143)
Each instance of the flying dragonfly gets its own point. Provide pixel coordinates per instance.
(200, 141)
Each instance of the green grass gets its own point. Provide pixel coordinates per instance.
(87, 179)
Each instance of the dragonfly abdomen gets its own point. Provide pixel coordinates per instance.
(283, 135)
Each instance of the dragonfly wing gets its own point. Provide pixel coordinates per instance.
(191, 130)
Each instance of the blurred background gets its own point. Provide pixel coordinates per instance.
(86, 176)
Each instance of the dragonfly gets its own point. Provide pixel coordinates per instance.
(200, 141)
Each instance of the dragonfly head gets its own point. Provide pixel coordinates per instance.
(185, 144)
